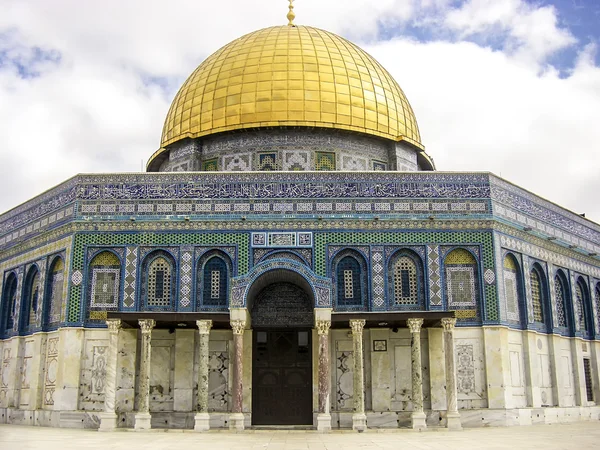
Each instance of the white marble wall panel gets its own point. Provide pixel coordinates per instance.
(126, 369)
(380, 372)
(219, 395)
(70, 349)
(93, 371)
(517, 375)
(183, 398)
(545, 371)
(343, 386)
(401, 395)
(162, 373)
(470, 368)
(50, 371)
(566, 373)
(26, 398)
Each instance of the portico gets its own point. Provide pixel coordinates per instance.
(247, 404)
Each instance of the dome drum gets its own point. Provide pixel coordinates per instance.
(287, 148)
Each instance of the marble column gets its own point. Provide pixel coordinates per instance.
(236, 419)
(323, 415)
(142, 417)
(202, 418)
(359, 419)
(108, 418)
(452, 415)
(418, 416)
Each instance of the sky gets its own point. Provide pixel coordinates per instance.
(506, 86)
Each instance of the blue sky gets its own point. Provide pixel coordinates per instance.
(507, 86)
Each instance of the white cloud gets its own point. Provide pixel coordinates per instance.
(478, 109)
(532, 31)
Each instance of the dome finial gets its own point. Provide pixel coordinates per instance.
(290, 15)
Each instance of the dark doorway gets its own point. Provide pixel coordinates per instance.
(282, 379)
(281, 356)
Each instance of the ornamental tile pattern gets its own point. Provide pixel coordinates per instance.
(185, 277)
(378, 277)
(129, 284)
(435, 279)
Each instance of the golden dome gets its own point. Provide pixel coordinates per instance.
(290, 76)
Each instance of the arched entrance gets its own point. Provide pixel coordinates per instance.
(281, 310)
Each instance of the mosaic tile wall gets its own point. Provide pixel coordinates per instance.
(158, 240)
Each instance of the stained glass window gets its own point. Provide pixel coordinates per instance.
(511, 288)
(215, 282)
(405, 282)
(9, 303)
(580, 305)
(461, 283)
(30, 300)
(536, 297)
(559, 294)
(159, 283)
(349, 280)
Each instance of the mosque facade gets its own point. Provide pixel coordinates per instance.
(292, 257)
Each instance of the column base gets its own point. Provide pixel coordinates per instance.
(453, 421)
(142, 421)
(418, 420)
(236, 422)
(323, 423)
(359, 422)
(202, 422)
(108, 421)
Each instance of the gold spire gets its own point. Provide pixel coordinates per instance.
(290, 15)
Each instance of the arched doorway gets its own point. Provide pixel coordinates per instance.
(281, 310)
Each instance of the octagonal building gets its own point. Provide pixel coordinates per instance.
(291, 257)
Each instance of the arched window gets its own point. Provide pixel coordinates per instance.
(512, 288)
(462, 288)
(158, 283)
(9, 304)
(406, 282)
(560, 294)
(213, 281)
(30, 301)
(349, 280)
(104, 275)
(537, 295)
(53, 294)
(581, 300)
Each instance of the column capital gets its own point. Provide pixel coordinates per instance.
(322, 326)
(146, 325)
(357, 325)
(414, 325)
(114, 325)
(204, 326)
(238, 326)
(448, 323)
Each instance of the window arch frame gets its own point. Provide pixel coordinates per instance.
(477, 288)
(49, 299)
(586, 329)
(561, 278)
(147, 262)
(25, 325)
(394, 259)
(521, 301)
(202, 283)
(9, 300)
(89, 285)
(362, 280)
(547, 319)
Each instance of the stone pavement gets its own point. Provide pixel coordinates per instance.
(580, 435)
